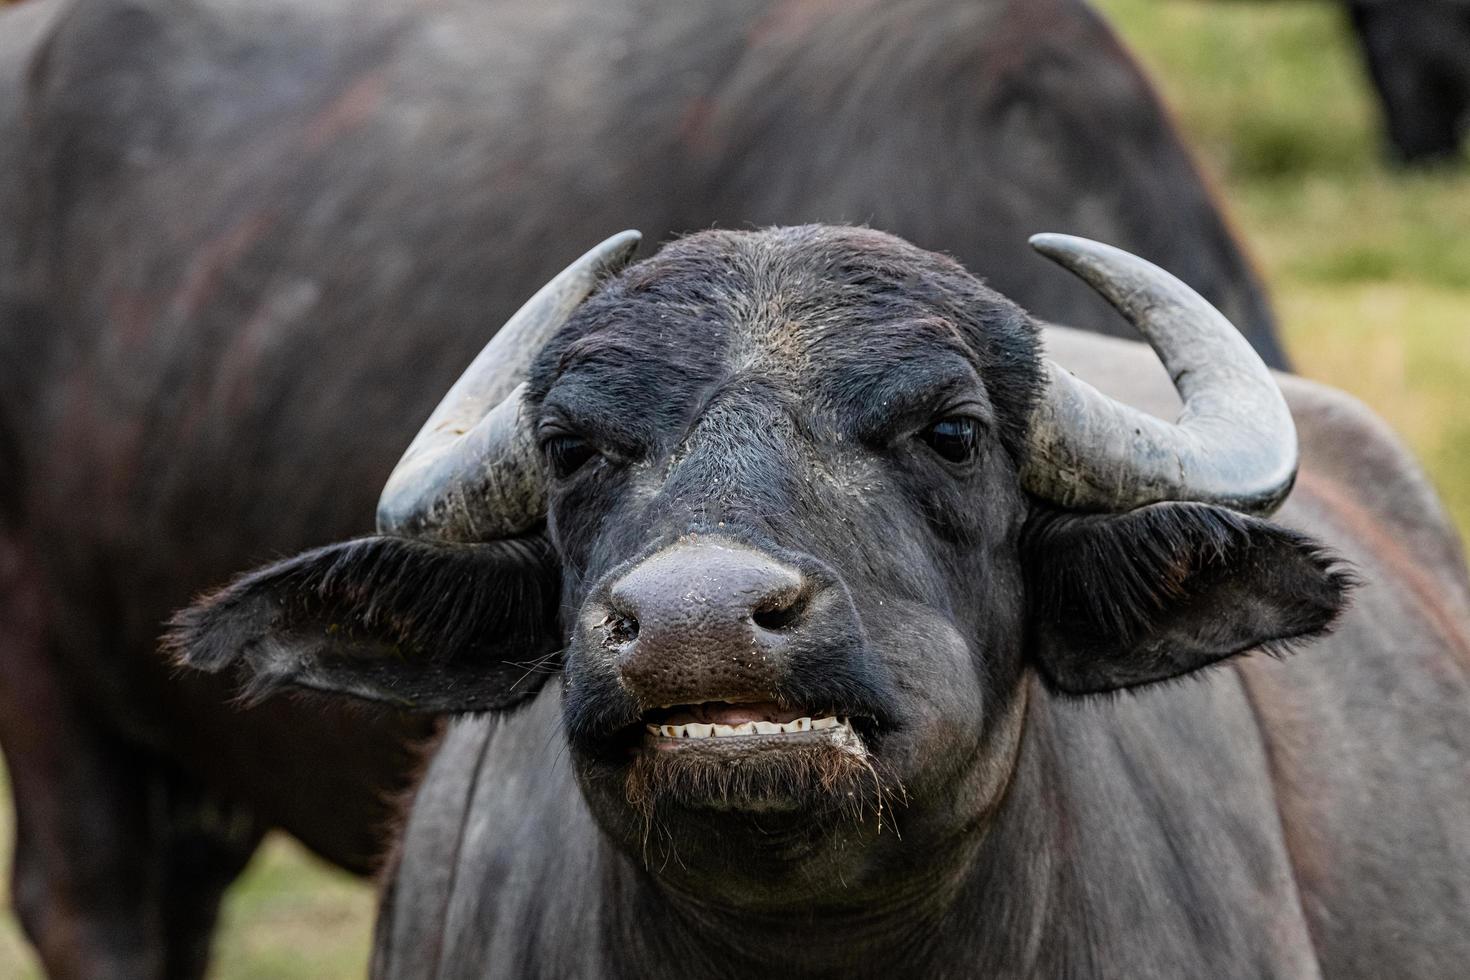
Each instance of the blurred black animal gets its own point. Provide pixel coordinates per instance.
(1418, 54)
(830, 563)
(245, 243)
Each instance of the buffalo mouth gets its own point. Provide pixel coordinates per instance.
(755, 726)
(758, 757)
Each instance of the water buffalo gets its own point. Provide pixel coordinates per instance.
(815, 582)
(243, 243)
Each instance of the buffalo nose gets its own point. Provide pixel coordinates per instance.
(702, 621)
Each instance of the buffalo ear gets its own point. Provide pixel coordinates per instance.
(414, 624)
(1119, 600)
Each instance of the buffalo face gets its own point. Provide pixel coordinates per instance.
(784, 486)
(798, 513)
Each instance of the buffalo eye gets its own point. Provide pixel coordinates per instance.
(566, 454)
(953, 437)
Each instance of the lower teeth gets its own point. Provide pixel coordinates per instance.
(698, 730)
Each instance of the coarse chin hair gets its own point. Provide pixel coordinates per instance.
(821, 783)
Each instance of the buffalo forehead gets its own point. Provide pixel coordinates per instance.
(815, 358)
(840, 330)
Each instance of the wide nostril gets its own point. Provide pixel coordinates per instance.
(781, 611)
(619, 629)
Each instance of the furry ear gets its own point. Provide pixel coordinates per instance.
(414, 624)
(1118, 600)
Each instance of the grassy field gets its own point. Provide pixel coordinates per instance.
(1370, 269)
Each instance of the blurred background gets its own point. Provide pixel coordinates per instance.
(1368, 264)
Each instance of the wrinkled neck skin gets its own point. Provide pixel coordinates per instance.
(752, 896)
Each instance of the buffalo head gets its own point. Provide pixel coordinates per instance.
(795, 514)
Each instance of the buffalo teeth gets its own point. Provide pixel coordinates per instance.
(699, 730)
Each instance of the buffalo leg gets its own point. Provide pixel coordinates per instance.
(82, 883)
(118, 866)
(206, 844)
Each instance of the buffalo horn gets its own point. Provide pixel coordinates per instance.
(471, 474)
(1234, 444)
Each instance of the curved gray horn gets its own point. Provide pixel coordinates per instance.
(1233, 445)
(471, 474)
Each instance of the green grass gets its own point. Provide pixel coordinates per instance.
(291, 915)
(1370, 270)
